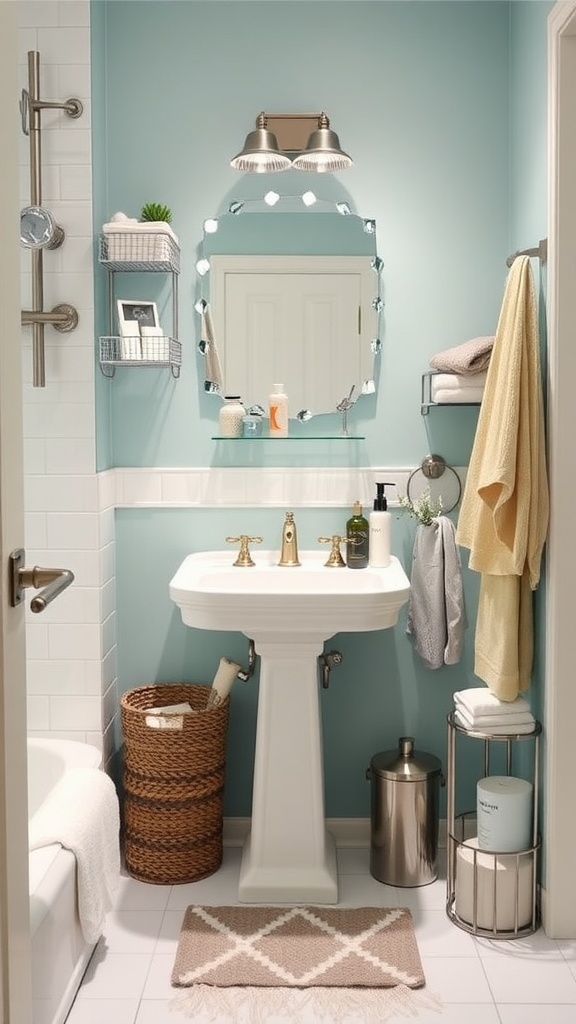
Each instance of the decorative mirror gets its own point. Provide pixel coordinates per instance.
(292, 296)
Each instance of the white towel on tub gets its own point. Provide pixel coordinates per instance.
(82, 814)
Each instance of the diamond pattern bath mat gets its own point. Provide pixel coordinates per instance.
(369, 947)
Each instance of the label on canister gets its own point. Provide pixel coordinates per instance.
(504, 809)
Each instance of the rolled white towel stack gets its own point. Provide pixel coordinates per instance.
(479, 709)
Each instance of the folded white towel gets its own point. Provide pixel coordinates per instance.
(484, 721)
(82, 814)
(480, 701)
(456, 396)
(470, 357)
(151, 227)
(459, 380)
(508, 729)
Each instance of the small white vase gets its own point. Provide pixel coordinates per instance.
(231, 416)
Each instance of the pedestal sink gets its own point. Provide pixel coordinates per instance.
(289, 612)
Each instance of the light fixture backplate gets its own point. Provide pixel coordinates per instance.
(292, 131)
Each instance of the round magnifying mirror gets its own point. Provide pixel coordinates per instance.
(38, 229)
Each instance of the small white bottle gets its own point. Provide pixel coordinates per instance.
(230, 416)
(380, 529)
(278, 407)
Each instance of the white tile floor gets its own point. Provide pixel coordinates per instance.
(479, 981)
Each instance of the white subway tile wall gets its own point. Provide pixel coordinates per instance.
(72, 687)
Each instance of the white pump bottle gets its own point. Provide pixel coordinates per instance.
(380, 530)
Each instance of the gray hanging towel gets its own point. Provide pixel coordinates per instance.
(436, 611)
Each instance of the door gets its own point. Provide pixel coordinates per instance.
(15, 986)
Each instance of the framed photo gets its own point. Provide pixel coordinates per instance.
(133, 315)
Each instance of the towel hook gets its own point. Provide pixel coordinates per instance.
(432, 468)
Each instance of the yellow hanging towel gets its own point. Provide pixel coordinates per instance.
(504, 514)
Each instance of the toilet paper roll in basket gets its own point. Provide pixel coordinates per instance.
(493, 871)
(504, 809)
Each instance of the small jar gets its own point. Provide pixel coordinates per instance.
(230, 416)
(251, 426)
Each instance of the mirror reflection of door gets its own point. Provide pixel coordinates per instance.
(285, 290)
(304, 322)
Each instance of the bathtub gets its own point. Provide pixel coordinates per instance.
(60, 953)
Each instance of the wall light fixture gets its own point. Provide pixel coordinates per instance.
(309, 136)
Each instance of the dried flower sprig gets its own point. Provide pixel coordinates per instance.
(424, 508)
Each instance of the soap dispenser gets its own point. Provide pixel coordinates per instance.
(357, 539)
(380, 529)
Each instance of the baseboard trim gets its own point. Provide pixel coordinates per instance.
(348, 832)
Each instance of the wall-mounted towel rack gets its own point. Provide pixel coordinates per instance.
(63, 317)
(540, 251)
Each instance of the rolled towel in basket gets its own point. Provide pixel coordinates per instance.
(469, 358)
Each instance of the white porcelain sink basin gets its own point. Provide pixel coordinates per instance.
(289, 611)
(309, 598)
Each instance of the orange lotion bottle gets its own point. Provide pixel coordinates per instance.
(278, 407)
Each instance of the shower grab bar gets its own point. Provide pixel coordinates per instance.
(62, 317)
(540, 251)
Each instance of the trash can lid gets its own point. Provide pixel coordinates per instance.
(405, 764)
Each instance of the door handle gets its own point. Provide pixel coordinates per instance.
(52, 582)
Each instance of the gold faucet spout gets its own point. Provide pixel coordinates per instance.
(289, 552)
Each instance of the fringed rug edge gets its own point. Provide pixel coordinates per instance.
(207, 1004)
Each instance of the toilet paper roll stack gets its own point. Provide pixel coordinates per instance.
(503, 883)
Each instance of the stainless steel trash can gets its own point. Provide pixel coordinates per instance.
(404, 819)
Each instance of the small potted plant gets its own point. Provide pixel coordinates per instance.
(156, 213)
(155, 236)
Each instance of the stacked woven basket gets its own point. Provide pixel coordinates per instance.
(173, 784)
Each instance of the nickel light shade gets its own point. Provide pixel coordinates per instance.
(260, 153)
(323, 151)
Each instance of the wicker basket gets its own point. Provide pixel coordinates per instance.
(173, 785)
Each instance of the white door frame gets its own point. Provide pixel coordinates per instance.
(15, 978)
(559, 891)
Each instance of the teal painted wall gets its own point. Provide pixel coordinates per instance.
(408, 89)
(422, 95)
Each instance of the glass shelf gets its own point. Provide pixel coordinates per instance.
(293, 437)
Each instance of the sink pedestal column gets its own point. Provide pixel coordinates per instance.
(289, 857)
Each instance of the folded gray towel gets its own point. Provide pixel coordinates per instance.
(471, 357)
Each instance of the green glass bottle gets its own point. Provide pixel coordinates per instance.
(357, 539)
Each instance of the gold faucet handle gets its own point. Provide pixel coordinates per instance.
(335, 556)
(244, 556)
